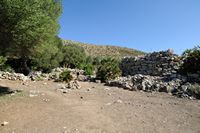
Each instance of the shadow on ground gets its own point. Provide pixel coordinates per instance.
(5, 90)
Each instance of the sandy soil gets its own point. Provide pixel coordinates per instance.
(95, 108)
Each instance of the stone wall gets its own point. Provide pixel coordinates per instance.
(163, 63)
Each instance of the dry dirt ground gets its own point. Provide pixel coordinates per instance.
(42, 108)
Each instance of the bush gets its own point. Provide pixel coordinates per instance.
(74, 56)
(88, 69)
(191, 61)
(65, 76)
(108, 69)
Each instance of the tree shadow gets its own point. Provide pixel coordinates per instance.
(5, 90)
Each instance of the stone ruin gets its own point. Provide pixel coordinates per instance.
(163, 63)
(158, 71)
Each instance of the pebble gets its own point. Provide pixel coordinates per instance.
(119, 101)
(46, 100)
(33, 95)
(88, 89)
(4, 123)
(108, 104)
(65, 91)
(107, 89)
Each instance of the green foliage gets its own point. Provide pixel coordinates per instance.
(88, 66)
(108, 69)
(191, 60)
(65, 76)
(47, 56)
(2, 60)
(88, 69)
(73, 56)
(26, 24)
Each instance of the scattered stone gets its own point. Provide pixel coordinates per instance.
(74, 84)
(65, 91)
(149, 83)
(98, 81)
(108, 104)
(4, 123)
(107, 89)
(46, 100)
(88, 89)
(118, 101)
(32, 95)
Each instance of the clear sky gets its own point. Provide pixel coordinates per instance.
(147, 25)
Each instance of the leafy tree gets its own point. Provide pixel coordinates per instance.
(48, 56)
(108, 69)
(74, 56)
(27, 24)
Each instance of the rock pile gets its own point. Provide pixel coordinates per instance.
(153, 83)
(72, 85)
(163, 63)
(38, 75)
(13, 76)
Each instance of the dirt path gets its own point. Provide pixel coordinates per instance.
(94, 109)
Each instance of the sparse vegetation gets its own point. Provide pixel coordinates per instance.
(105, 50)
(65, 76)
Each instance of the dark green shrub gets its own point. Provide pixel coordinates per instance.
(65, 76)
(191, 59)
(108, 69)
(74, 56)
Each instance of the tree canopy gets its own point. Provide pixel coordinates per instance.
(26, 24)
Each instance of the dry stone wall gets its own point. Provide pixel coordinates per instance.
(163, 63)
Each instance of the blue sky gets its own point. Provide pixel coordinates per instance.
(147, 25)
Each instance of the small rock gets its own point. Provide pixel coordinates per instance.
(4, 123)
(65, 91)
(119, 101)
(108, 104)
(88, 89)
(46, 100)
(107, 89)
(33, 95)
(98, 81)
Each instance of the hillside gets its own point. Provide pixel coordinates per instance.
(105, 50)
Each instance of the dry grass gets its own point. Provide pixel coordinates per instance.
(106, 50)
